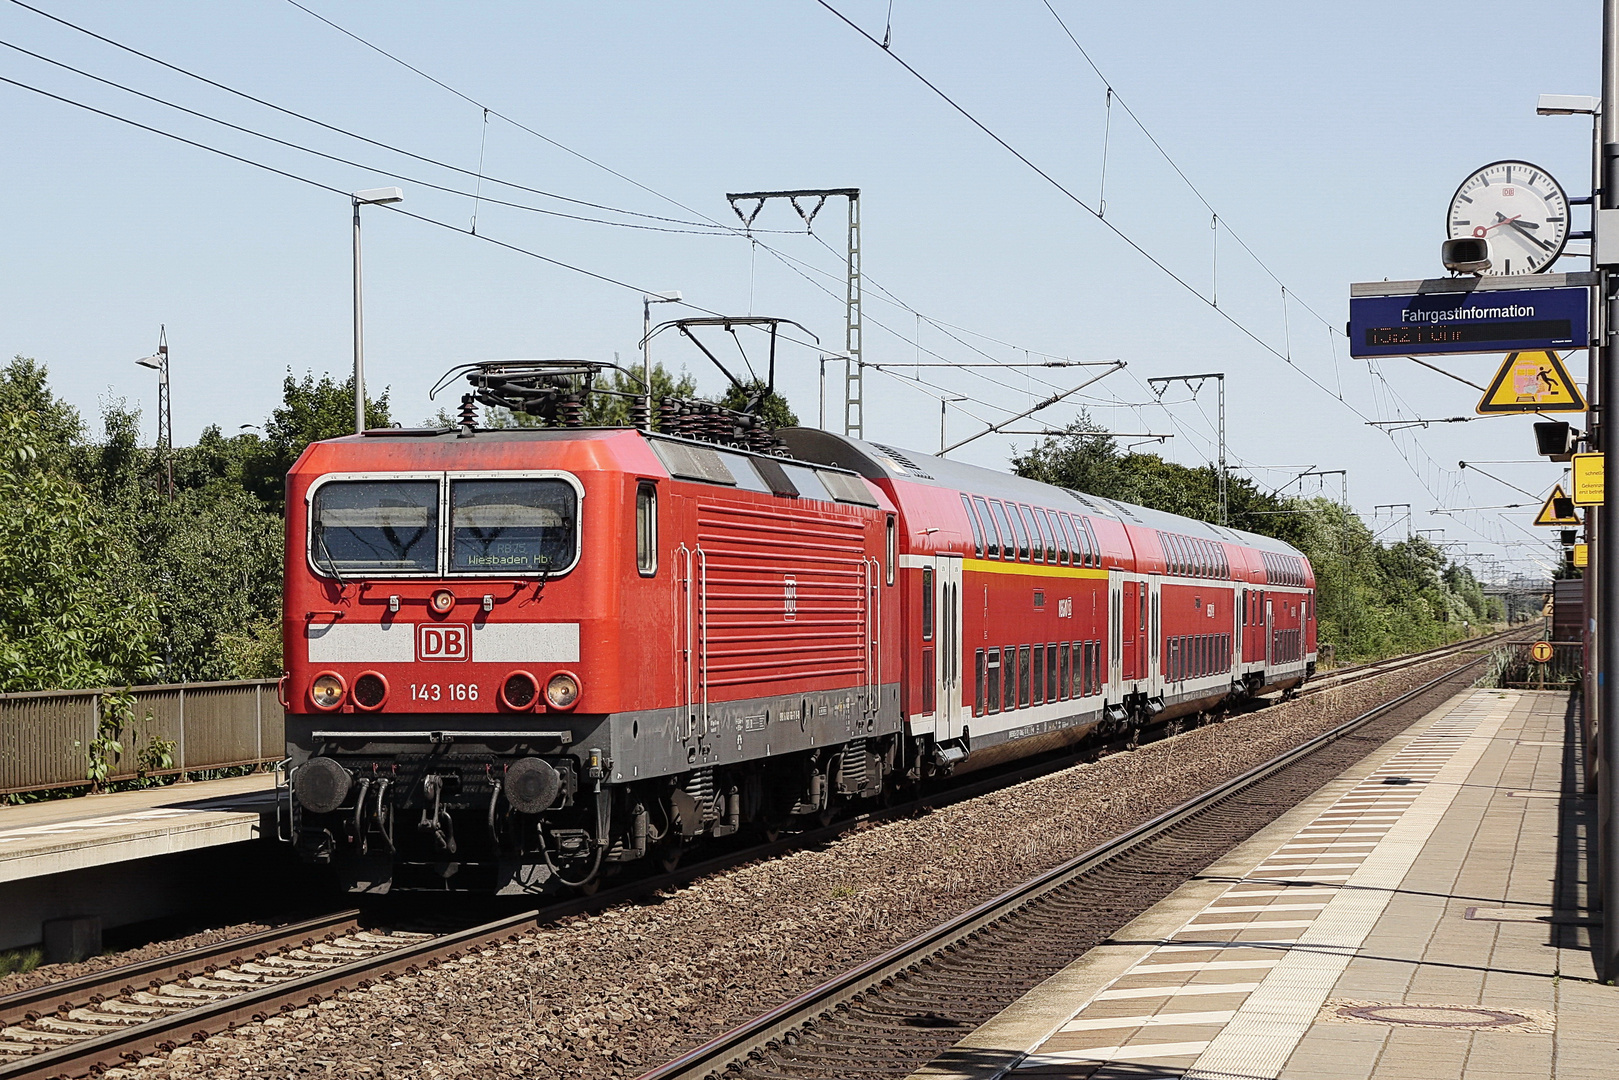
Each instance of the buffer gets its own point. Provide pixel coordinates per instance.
(1531, 382)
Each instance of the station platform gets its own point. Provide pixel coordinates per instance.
(1420, 917)
(62, 835)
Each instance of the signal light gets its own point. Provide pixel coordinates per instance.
(1563, 508)
(562, 691)
(370, 690)
(327, 691)
(519, 691)
(1568, 537)
(443, 600)
(1554, 439)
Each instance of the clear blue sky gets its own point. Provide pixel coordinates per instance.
(1329, 138)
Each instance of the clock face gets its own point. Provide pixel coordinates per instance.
(1519, 208)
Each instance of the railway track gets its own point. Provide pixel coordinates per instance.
(1361, 672)
(895, 1012)
(109, 1018)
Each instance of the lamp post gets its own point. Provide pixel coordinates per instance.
(647, 300)
(368, 197)
(159, 362)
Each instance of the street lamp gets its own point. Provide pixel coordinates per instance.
(368, 197)
(159, 362)
(647, 300)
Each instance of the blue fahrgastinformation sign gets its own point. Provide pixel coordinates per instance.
(1448, 316)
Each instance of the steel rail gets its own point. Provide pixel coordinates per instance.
(53, 996)
(735, 1045)
(119, 1045)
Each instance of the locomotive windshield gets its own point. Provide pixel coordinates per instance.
(512, 526)
(372, 526)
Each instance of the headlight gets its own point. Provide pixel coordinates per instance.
(519, 690)
(443, 600)
(370, 690)
(327, 691)
(562, 691)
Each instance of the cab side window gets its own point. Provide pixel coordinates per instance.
(646, 528)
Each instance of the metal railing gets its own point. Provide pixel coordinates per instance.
(1519, 669)
(45, 738)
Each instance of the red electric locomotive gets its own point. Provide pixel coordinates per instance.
(519, 657)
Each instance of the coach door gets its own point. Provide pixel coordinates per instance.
(1270, 636)
(1115, 635)
(1155, 637)
(950, 718)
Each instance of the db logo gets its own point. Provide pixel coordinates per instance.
(443, 641)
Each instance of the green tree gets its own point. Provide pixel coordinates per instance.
(69, 617)
(757, 398)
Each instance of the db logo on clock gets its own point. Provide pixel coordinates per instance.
(443, 641)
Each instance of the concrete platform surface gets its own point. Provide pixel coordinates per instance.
(39, 839)
(1421, 917)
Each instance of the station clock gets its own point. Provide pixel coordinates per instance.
(1519, 208)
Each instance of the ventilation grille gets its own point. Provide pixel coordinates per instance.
(1124, 510)
(903, 463)
(693, 462)
(846, 488)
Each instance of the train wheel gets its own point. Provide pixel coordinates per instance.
(1133, 740)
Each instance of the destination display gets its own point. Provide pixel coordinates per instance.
(1496, 320)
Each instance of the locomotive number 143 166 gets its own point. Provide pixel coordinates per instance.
(444, 691)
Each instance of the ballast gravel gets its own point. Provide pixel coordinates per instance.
(613, 994)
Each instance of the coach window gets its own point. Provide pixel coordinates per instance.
(1020, 530)
(1008, 537)
(513, 526)
(1087, 551)
(927, 603)
(1038, 678)
(972, 523)
(978, 683)
(1064, 682)
(992, 541)
(646, 528)
(375, 526)
(1009, 677)
(891, 550)
(1023, 677)
(992, 695)
(1047, 534)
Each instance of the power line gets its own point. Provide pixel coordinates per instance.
(177, 69)
(704, 231)
(337, 191)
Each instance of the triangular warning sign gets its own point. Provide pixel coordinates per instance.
(1531, 382)
(1548, 514)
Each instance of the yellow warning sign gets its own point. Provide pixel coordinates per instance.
(1531, 382)
(1587, 479)
(1582, 555)
(1540, 652)
(1548, 514)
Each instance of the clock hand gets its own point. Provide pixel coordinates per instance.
(1514, 223)
(1483, 230)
